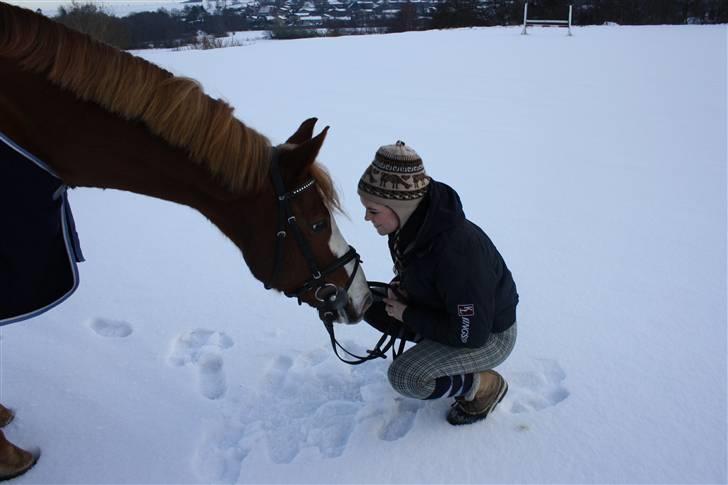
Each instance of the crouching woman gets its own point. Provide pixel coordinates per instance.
(452, 290)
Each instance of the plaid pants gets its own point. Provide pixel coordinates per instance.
(413, 374)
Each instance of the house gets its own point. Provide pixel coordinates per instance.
(307, 7)
(389, 13)
(311, 21)
(266, 10)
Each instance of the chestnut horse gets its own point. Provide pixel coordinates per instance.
(100, 117)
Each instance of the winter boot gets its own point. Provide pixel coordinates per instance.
(13, 460)
(491, 391)
(6, 416)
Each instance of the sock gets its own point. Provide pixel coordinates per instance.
(454, 386)
(474, 388)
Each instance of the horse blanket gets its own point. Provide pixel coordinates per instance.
(39, 247)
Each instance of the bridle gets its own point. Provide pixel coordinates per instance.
(330, 298)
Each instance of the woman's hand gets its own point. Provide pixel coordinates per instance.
(393, 306)
(398, 291)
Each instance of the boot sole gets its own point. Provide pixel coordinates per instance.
(463, 418)
(10, 419)
(36, 456)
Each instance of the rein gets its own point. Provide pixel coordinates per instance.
(330, 298)
(387, 340)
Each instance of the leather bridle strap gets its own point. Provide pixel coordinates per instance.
(350, 255)
(287, 223)
(378, 352)
(287, 220)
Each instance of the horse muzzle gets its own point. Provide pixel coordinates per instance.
(334, 304)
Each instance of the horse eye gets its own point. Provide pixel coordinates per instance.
(319, 226)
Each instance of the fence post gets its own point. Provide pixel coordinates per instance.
(569, 34)
(545, 22)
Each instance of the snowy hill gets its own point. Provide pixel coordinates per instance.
(596, 163)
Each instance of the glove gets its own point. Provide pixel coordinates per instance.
(377, 317)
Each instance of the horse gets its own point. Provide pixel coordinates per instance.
(103, 118)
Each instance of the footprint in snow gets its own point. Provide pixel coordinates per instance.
(110, 328)
(303, 401)
(201, 349)
(401, 421)
(331, 426)
(306, 401)
(224, 450)
(537, 389)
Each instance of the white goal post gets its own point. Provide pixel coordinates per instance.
(547, 23)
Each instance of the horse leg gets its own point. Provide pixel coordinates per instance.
(6, 416)
(14, 461)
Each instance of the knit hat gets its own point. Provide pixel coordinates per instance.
(396, 178)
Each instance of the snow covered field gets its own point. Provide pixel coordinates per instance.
(596, 163)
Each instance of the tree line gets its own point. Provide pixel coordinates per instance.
(175, 28)
(151, 29)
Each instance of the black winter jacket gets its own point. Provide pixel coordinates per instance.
(459, 290)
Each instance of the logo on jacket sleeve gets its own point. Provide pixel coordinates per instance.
(466, 310)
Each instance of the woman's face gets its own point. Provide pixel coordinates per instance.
(384, 219)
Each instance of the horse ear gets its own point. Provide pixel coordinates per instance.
(304, 132)
(305, 154)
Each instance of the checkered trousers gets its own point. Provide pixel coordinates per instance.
(413, 374)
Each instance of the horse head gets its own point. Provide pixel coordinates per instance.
(289, 235)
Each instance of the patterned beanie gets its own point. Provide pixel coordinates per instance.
(396, 178)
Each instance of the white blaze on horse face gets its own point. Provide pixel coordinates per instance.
(359, 295)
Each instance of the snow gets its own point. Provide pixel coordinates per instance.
(597, 164)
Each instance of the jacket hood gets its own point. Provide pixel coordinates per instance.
(444, 212)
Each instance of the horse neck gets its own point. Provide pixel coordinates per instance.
(90, 147)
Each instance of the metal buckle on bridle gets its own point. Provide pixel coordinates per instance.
(325, 298)
(332, 299)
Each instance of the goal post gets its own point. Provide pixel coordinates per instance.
(547, 23)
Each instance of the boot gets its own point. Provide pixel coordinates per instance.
(491, 391)
(6, 416)
(13, 460)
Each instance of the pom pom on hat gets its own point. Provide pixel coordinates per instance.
(396, 178)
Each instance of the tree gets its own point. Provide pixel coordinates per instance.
(194, 15)
(548, 9)
(719, 11)
(406, 19)
(456, 13)
(235, 19)
(503, 12)
(96, 22)
(157, 29)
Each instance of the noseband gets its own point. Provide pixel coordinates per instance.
(330, 299)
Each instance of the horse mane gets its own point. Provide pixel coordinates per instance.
(174, 108)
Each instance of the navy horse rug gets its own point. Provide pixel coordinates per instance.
(39, 246)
